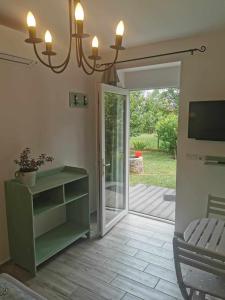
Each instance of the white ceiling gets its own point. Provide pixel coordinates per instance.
(146, 20)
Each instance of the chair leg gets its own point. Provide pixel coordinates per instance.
(191, 293)
(194, 296)
(202, 296)
(199, 296)
(180, 281)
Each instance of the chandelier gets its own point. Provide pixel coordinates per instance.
(89, 65)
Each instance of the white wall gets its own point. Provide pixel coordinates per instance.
(34, 112)
(202, 78)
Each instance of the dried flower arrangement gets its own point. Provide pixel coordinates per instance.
(29, 164)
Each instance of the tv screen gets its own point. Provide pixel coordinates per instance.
(207, 120)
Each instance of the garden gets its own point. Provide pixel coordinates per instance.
(153, 131)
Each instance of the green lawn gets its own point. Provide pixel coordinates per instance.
(150, 140)
(159, 170)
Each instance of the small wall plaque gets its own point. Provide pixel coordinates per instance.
(78, 99)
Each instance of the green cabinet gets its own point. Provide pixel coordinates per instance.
(46, 218)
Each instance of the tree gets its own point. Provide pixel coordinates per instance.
(167, 132)
(157, 105)
(148, 108)
(136, 112)
(170, 97)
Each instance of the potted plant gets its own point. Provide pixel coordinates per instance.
(28, 166)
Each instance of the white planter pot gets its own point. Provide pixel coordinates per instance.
(27, 178)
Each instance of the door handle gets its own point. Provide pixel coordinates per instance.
(104, 166)
(107, 165)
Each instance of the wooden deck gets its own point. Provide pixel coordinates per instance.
(153, 200)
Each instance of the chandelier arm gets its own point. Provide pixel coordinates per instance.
(57, 71)
(39, 58)
(92, 68)
(110, 65)
(78, 53)
(97, 69)
(66, 61)
(50, 66)
(79, 57)
(83, 55)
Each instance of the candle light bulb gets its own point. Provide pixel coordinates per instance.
(95, 42)
(48, 37)
(120, 28)
(79, 12)
(31, 22)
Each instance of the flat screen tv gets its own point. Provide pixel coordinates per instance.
(207, 120)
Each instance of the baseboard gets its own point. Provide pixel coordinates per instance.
(93, 211)
(179, 234)
(4, 261)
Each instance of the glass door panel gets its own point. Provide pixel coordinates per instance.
(114, 152)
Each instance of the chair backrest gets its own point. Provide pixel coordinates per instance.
(199, 258)
(216, 206)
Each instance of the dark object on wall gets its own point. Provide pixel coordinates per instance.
(207, 120)
(78, 100)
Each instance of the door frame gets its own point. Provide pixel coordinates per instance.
(102, 227)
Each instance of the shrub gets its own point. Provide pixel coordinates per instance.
(151, 140)
(138, 145)
(166, 129)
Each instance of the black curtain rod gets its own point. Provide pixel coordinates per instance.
(191, 51)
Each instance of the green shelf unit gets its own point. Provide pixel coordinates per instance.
(64, 189)
(51, 180)
(56, 240)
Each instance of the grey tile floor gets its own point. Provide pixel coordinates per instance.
(133, 261)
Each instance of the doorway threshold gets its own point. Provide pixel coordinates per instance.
(152, 217)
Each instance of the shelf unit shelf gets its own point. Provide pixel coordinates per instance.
(45, 208)
(56, 240)
(74, 197)
(62, 191)
(48, 199)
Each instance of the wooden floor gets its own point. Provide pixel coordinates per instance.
(132, 262)
(150, 200)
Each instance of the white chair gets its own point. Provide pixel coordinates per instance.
(206, 274)
(216, 206)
